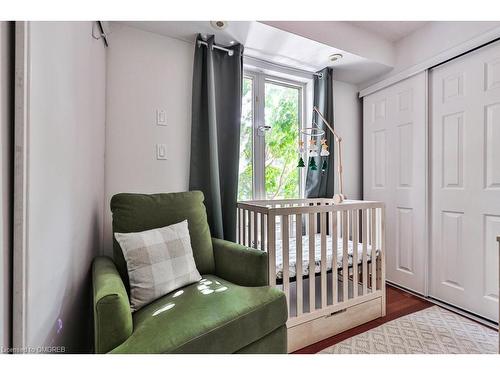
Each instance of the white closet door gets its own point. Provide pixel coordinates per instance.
(465, 131)
(395, 149)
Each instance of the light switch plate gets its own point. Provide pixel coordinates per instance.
(161, 151)
(161, 117)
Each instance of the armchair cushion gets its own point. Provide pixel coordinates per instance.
(140, 212)
(211, 316)
(240, 264)
(112, 315)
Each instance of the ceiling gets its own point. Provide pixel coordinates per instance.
(392, 31)
(278, 45)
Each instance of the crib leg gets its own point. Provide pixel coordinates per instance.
(379, 274)
(381, 284)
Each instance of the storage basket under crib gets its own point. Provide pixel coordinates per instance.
(328, 259)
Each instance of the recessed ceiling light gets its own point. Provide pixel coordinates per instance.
(232, 42)
(219, 25)
(335, 57)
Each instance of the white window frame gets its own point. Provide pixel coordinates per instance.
(259, 79)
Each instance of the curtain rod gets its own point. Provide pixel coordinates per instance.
(230, 52)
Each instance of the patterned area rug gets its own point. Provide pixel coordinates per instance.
(430, 331)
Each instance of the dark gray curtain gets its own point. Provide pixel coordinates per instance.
(215, 133)
(321, 184)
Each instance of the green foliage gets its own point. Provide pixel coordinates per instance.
(282, 114)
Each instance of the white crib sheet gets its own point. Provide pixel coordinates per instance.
(305, 255)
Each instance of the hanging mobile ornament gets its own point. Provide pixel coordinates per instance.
(324, 166)
(324, 148)
(313, 153)
(312, 164)
(324, 152)
(313, 149)
(301, 148)
(301, 151)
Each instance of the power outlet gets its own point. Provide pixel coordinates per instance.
(161, 151)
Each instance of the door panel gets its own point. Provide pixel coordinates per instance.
(395, 173)
(465, 182)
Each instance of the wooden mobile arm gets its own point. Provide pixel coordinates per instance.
(338, 140)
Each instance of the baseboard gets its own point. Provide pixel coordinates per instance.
(479, 319)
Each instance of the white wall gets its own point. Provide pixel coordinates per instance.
(344, 36)
(65, 181)
(437, 39)
(6, 133)
(347, 110)
(146, 72)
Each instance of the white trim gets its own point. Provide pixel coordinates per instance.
(21, 182)
(446, 306)
(433, 61)
(427, 187)
(6, 190)
(266, 67)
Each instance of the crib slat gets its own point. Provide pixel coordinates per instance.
(382, 258)
(354, 253)
(249, 228)
(298, 262)
(365, 250)
(345, 256)
(335, 245)
(240, 226)
(271, 248)
(255, 230)
(285, 250)
(323, 258)
(262, 232)
(312, 264)
(373, 227)
(244, 222)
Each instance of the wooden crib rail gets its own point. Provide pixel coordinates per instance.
(318, 283)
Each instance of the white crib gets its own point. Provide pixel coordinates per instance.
(329, 259)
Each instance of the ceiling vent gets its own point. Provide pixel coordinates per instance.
(335, 57)
(219, 25)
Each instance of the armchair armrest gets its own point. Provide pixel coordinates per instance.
(240, 264)
(112, 314)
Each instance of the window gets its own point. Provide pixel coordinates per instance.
(272, 110)
(245, 180)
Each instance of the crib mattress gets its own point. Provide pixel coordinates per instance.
(305, 255)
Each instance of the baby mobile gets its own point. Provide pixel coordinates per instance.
(313, 151)
(314, 133)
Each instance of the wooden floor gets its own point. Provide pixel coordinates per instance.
(399, 303)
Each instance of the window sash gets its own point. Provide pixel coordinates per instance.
(259, 80)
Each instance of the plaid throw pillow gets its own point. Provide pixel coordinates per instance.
(158, 262)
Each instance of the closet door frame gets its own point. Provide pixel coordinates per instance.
(465, 293)
(21, 183)
(399, 114)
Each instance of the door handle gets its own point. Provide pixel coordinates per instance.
(263, 129)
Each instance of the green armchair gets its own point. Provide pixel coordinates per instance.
(241, 315)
